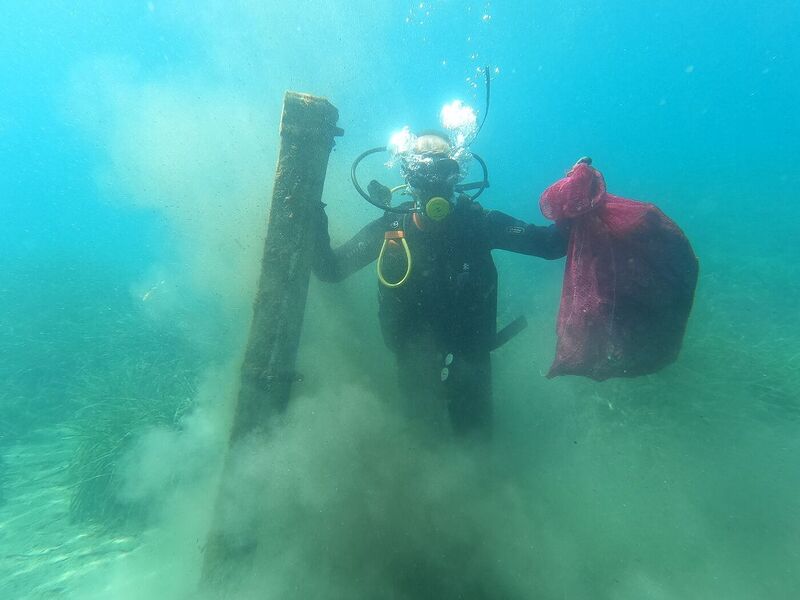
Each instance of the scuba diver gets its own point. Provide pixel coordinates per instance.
(437, 279)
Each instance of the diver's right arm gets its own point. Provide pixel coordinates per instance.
(334, 265)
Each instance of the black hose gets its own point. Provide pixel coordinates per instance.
(364, 194)
(478, 185)
(488, 96)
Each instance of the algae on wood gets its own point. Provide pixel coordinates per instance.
(308, 127)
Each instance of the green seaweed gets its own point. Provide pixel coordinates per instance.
(154, 385)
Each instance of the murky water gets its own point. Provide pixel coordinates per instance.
(138, 148)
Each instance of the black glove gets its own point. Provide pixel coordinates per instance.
(319, 220)
(379, 193)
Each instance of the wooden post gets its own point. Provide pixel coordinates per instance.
(308, 127)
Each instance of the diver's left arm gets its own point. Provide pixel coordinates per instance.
(507, 233)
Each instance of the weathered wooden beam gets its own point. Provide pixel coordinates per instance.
(308, 128)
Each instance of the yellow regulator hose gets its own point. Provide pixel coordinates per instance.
(394, 235)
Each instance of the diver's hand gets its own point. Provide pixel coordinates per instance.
(319, 219)
(379, 193)
(585, 160)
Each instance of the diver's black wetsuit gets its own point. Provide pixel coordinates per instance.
(448, 306)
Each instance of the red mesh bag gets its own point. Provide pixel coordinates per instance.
(628, 284)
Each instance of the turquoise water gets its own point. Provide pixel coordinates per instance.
(138, 143)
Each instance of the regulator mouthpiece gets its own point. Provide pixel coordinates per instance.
(437, 208)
